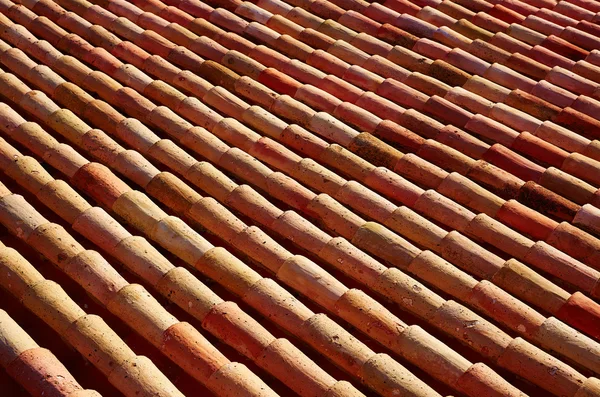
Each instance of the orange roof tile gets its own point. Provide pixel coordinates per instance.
(420, 180)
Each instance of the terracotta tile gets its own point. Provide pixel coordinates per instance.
(304, 17)
(564, 48)
(355, 115)
(41, 373)
(542, 25)
(402, 6)
(336, 31)
(491, 298)
(456, 10)
(326, 9)
(455, 247)
(437, 206)
(577, 310)
(380, 364)
(532, 105)
(585, 218)
(279, 82)
(548, 258)
(143, 374)
(430, 48)
(411, 225)
(581, 166)
(509, 43)
(505, 76)
(591, 150)
(426, 84)
(469, 29)
(505, 14)
(281, 25)
(526, 220)
(447, 111)
(451, 38)
(545, 201)
(488, 52)
(446, 157)
(514, 163)
(566, 185)
(578, 122)
(540, 150)
(327, 289)
(396, 36)
(303, 72)
(587, 27)
(415, 26)
(437, 271)
(364, 110)
(492, 23)
(402, 94)
(420, 171)
(371, 102)
(524, 8)
(362, 78)
(459, 188)
(435, 17)
(486, 88)
(358, 22)
(380, 12)
(315, 39)
(528, 66)
(390, 131)
(574, 242)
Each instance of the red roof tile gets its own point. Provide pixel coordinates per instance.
(436, 157)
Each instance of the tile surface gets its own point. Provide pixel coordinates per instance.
(320, 198)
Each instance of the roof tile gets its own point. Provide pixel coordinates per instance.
(541, 132)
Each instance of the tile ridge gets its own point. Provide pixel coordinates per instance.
(217, 258)
(173, 282)
(35, 368)
(105, 349)
(536, 249)
(139, 256)
(130, 302)
(558, 174)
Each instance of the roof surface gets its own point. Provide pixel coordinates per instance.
(315, 198)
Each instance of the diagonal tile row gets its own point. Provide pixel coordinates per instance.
(431, 31)
(52, 123)
(443, 108)
(592, 190)
(87, 333)
(511, 69)
(334, 85)
(170, 76)
(560, 177)
(544, 89)
(130, 302)
(202, 121)
(33, 367)
(223, 319)
(469, 91)
(337, 205)
(557, 19)
(593, 280)
(535, 37)
(308, 246)
(349, 304)
(393, 132)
